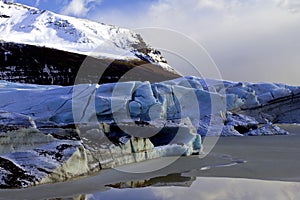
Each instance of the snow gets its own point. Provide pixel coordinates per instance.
(28, 25)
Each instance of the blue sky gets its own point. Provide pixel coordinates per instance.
(93, 6)
(249, 40)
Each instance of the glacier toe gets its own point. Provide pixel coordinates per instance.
(53, 133)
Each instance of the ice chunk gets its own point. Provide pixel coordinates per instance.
(229, 130)
(265, 98)
(282, 92)
(268, 129)
(135, 108)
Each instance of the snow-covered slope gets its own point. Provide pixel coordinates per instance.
(27, 25)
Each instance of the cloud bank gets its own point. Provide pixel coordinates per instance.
(251, 40)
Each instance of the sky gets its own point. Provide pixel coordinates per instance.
(248, 40)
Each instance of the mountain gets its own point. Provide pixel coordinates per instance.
(47, 48)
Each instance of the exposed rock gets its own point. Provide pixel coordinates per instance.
(26, 63)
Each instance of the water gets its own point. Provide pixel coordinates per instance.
(262, 167)
(209, 188)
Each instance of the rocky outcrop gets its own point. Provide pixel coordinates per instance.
(25, 63)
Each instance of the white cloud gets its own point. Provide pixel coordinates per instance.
(218, 5)
(37, 3)
(79, 8)
(291, 5)
(251, 40)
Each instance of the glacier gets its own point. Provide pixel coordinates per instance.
(55, 133)
(243, 105)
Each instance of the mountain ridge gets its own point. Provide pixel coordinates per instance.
(28, 25)
(41, 47)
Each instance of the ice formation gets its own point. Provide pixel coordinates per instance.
(45, 130)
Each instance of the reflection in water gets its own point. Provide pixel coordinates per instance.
(209, 188)
(169, 180)
(77, 197)
(107, 179)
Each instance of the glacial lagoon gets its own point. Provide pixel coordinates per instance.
(260, 167)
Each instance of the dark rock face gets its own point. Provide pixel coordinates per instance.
(13, 176)
(39, 65)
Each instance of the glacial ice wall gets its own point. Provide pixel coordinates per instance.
(187, 97)
(55, 133)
